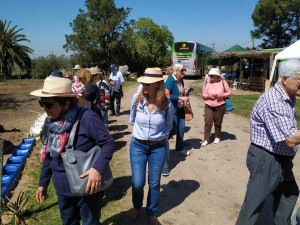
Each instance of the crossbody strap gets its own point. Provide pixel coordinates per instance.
(75, 128)
(223, 87)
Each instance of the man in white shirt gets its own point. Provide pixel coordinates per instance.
(116, 81)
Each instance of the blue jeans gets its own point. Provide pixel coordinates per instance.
(105, 117)
(178, 128)
(87, 209)
(155, 155)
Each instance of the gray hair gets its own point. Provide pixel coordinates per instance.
(288, 68)
(178, 66)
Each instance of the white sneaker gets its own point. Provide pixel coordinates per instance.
(217, 140)
(184, 152)
(204, 143)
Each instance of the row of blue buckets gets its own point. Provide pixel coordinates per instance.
(11, 171)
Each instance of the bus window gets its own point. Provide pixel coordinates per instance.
(183, 47)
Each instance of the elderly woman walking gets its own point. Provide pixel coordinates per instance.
(152, 118)
(60, 104)
(216, 90)
(175, 91)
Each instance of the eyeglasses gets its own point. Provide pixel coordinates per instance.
(183, 70)
(298, 80)
(47, 105)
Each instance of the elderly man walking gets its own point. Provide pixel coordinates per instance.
(274, 136)
(116, 81)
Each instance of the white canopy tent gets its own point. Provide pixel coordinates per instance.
(291, 52)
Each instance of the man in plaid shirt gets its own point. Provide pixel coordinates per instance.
(274, 139)
(104, 95)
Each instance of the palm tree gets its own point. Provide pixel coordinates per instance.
(11, 51)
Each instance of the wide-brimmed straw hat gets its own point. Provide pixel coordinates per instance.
(94, 70)
(77, 67)
(56, 87)
(151, 75)
(214, 71)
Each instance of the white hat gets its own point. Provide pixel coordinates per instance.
(77, 67)
(55, 87)
(94, 70)
(151, 75)
(214, 71)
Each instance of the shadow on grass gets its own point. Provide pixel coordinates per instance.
(118, 190)
(30, 212)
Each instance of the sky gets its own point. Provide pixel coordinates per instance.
(215, 23)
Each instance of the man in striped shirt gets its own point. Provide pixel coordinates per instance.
(274, 139)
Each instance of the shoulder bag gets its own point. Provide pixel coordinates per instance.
(188, 112)
(228, 102)
(77, 162)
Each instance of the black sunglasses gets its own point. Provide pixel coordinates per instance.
(183, 70)
(47, 105)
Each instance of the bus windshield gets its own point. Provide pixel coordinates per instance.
(184, 47)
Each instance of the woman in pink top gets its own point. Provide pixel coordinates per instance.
(214, 95)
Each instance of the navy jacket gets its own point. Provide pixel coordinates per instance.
(91, 132)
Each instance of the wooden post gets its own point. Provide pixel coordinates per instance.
(1, 165)
(241, 68)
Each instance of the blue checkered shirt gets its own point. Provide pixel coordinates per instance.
(272, 121)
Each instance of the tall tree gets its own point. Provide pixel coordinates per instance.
(274, 23)
(150, 43)
(11, 51)
(97, 33)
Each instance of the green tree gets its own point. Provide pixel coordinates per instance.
(43, 66)
(150, 43)
(11, 51)
(276, 22)
(98, 33)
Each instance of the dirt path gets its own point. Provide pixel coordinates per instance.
(208, 186)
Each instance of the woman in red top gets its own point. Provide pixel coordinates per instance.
(214, 94)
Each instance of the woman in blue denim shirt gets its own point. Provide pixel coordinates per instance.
(152, 116)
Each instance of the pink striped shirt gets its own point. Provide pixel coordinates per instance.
(216, 89)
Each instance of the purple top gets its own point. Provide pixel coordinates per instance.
(272, 121)
(92, 131)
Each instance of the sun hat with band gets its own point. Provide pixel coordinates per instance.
(151, 75)
(214, 71)
(56, 87)
(94, 70)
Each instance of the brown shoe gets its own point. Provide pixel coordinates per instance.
(135, 214)
(152, 220)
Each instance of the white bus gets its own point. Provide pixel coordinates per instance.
(192, 55)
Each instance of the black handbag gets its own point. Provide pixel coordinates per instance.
(77, 162)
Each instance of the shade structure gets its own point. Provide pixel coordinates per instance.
(291, 52)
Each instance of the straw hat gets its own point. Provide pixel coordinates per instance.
(214, 71)
(77, 67)
(151, 75)
(94, 70)
(55, 87)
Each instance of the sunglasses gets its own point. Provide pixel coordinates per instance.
(183, 70)
(47, 105)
